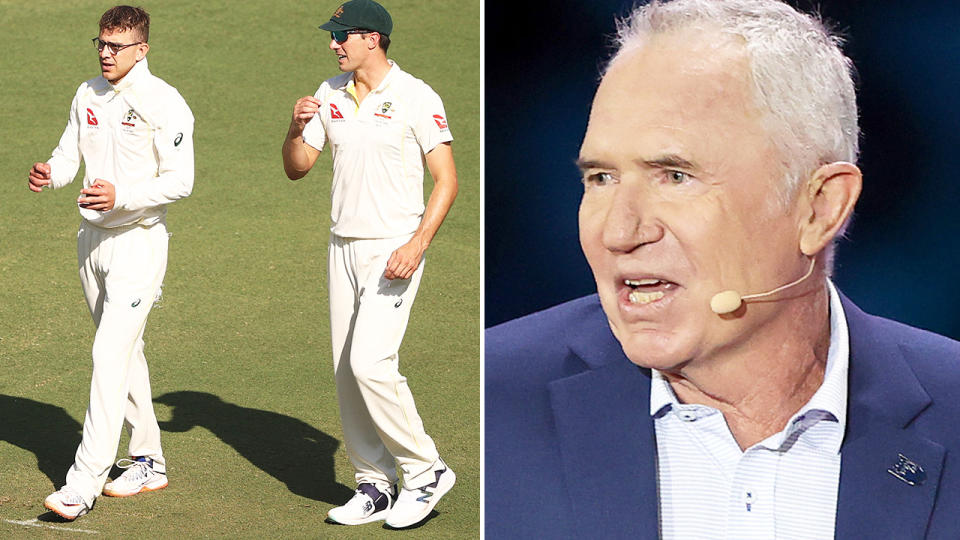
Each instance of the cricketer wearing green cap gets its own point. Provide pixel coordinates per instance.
(383, 124)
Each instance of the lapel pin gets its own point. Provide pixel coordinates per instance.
(908, 471)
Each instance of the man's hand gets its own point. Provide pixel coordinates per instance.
(38, 177)
(100, 196)
(304, 111)
(405, 260)
(299, 157)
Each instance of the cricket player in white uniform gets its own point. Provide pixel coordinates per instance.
(382, 124)
(134, 132)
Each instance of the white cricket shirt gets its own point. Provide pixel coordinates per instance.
(378, 148)
(784, 487)
(137, 135)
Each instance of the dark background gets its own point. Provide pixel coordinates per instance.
(901, 254)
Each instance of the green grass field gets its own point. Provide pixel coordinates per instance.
(239, 347)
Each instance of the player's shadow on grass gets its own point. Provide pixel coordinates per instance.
(284, 447)
(46, 430)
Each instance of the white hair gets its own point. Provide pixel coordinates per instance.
(801, 78)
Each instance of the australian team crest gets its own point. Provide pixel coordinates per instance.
(130, 119)
(384, 109)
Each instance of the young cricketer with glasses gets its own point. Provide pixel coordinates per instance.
(382, 125)
(134, 132)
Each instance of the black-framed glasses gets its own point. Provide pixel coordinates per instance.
(112, 48)
(341, 35)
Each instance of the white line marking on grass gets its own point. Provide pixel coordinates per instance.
(36, 523)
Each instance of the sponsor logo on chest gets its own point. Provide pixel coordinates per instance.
(92, 122)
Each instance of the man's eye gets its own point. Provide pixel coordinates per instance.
(600, 178)
(677, 177)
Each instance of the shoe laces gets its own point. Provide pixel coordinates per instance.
(70, 496)
(135, 469)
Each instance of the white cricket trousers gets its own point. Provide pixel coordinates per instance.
(121, 271)
(368, 317)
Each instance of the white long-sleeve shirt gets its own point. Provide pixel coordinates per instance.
(137, 135)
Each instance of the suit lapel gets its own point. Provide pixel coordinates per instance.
(878, 451)
(607, 444)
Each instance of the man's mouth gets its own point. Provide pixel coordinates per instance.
(647, 290)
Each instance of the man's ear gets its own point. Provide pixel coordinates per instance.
(829, 199)
(142, 50)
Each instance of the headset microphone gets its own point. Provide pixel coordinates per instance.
(729, 301)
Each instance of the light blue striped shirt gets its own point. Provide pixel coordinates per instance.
(784, 487)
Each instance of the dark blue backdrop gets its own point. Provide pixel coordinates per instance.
(901, 256)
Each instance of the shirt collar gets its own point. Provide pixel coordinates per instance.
(137, 72)
(829, 402)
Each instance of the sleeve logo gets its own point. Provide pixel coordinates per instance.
(91, 118)
(441, 121)
(178, 140)
(335, 112)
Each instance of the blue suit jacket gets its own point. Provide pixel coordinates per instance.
(570, 448)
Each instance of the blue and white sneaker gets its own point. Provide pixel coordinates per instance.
(139, 477)
(368, 504)
(414, 505)
(66, 503)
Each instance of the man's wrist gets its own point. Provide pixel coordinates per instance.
(420, 240)
(296, 130)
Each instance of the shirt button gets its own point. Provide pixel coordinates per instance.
(688, 416)
(749, 499)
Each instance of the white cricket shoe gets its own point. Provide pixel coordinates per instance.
(139, 476)
(414, 505)
(367, 505)
(66, 503)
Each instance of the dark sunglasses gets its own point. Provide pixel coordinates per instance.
(341, 35)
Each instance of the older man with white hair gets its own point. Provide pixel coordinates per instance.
(718, 385)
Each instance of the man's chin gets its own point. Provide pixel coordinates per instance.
(113, 74)
(652, 348)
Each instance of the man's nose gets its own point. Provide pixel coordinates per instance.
(629, 223)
